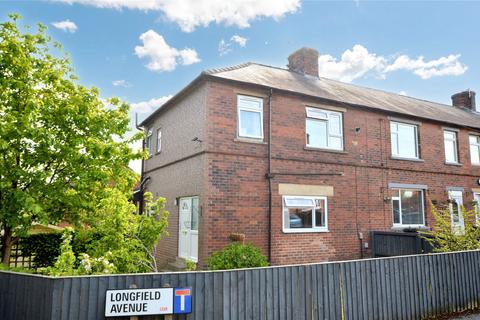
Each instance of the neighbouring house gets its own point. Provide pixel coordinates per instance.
(304, 167)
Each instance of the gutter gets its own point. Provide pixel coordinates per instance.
(143, 180)
(270, 176)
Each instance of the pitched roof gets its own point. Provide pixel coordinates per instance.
(285, 80)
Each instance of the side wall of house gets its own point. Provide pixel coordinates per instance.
(178, 170)
(237, 188)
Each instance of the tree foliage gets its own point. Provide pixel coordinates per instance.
(63, 149)
(446, 238)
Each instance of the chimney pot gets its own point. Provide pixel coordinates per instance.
(465, 99)
(304, 61)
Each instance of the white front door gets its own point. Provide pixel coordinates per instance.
(456, 204)
(188, 228)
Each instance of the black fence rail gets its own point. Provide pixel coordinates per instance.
(390, 244)
(409, 287)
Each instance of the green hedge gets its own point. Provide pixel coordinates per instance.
(236, 256)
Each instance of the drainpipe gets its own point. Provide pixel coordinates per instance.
(270, 176)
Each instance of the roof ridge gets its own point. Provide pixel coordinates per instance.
(230, 68)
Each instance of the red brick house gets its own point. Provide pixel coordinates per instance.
(304, 166)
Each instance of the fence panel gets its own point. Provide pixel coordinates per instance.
(409, 287)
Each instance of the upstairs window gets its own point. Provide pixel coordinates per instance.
(404, 139)
(148, 142)
(159, 140)
(475, 149)
(450, 141)
(305, 214)
(324, 129)
(407, 207)
(250, 117)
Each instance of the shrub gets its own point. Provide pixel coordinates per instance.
(44, 248)
(446, 238)
(236, 256)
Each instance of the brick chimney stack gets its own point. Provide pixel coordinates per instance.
(465, 99)
(304, 61)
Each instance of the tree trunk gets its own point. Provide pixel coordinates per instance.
(7, 242)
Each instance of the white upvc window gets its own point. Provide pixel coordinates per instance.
(305, 214)
(324, 129)
(148, 142)
(475, 149)
(250, 117)
(450, 142)
(159, 140)
(456, 215)
(408, 208)
(404, 139)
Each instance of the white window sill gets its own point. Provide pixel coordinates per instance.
(249, 140)
(410, 226)
(310, 230)
(407, 159)
(454, 164)
(325, 149)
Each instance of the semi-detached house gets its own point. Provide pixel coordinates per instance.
(304, 166)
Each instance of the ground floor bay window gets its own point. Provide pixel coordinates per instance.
(305, 214)
(408, 208)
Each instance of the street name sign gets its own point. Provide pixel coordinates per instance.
(138, 302)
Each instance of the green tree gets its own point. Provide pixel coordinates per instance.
(62, 148)
(446, 238)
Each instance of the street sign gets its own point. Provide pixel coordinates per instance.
(139, 302)
(182, 300)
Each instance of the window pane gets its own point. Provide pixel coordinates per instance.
(194, 218)
(473, 140)
(159, 140)
(300, 217)
(450, 151)
(316, 133)
(334, 124)
(394, 138)
(475, 154)
(396, 210)
(412, 210)
(250, 124)
(335, 143)
(455, 212)
(299, 202)
(320, 213)
(407, 142)
(315, 113)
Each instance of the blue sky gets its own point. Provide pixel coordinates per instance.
(425, 49)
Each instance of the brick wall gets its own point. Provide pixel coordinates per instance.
(237, 190)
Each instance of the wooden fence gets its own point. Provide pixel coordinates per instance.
(390, 244)
(408, 287)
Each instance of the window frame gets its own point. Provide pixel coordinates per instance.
(159, 140)
(399, 198)
(475, 144)
(476, 198)
(148, 141)
(310, 116)
(457, 227)
(455, 145)
(397, 154)
(287, 229)
(241, 108)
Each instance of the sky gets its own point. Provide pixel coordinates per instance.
(144, 51)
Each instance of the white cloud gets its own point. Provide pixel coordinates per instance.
(65, 25)
(353, 64)
(161, 56)
(150, 105)
(121, 83)
(444, 66)
(359, 62)
(190, 14)
(402, 93)
(241, 41)
(225, 47)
